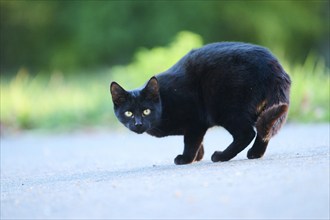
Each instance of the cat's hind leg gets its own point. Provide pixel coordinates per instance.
(258, 149)
(242, 135)
(200, 153)
(268, 124)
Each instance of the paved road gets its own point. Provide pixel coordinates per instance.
(107, 174)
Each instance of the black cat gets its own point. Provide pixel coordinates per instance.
(235, 85)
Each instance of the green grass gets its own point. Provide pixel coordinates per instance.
(54, 102)
(75, 101)
(310, 91)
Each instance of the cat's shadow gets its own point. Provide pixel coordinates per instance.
(152, 170)
(117, 174)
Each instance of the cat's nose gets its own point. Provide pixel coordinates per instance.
(138, 122)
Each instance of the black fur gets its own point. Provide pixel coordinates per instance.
(235, 85)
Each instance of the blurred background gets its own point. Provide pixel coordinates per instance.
(59, 57)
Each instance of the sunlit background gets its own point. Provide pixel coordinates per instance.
(59, 57)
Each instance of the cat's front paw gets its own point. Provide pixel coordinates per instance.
(219, 156)
(181, 160)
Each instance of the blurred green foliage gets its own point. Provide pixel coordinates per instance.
(61, 102)
(54, 102)
(70, 36)
(42, 42)
(149, 62)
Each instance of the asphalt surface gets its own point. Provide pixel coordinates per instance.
(105, 174)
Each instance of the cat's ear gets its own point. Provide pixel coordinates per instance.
(151, 90)
(119, 95)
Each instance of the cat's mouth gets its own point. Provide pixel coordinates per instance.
(138, 130)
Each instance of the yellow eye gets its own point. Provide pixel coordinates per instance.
(146, 112)
(128, 114)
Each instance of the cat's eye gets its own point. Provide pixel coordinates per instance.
(128, 114)
(146, 112)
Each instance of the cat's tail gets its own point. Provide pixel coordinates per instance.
(275, 107)
(271, 120)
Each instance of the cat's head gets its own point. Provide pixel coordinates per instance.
(139, 110)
